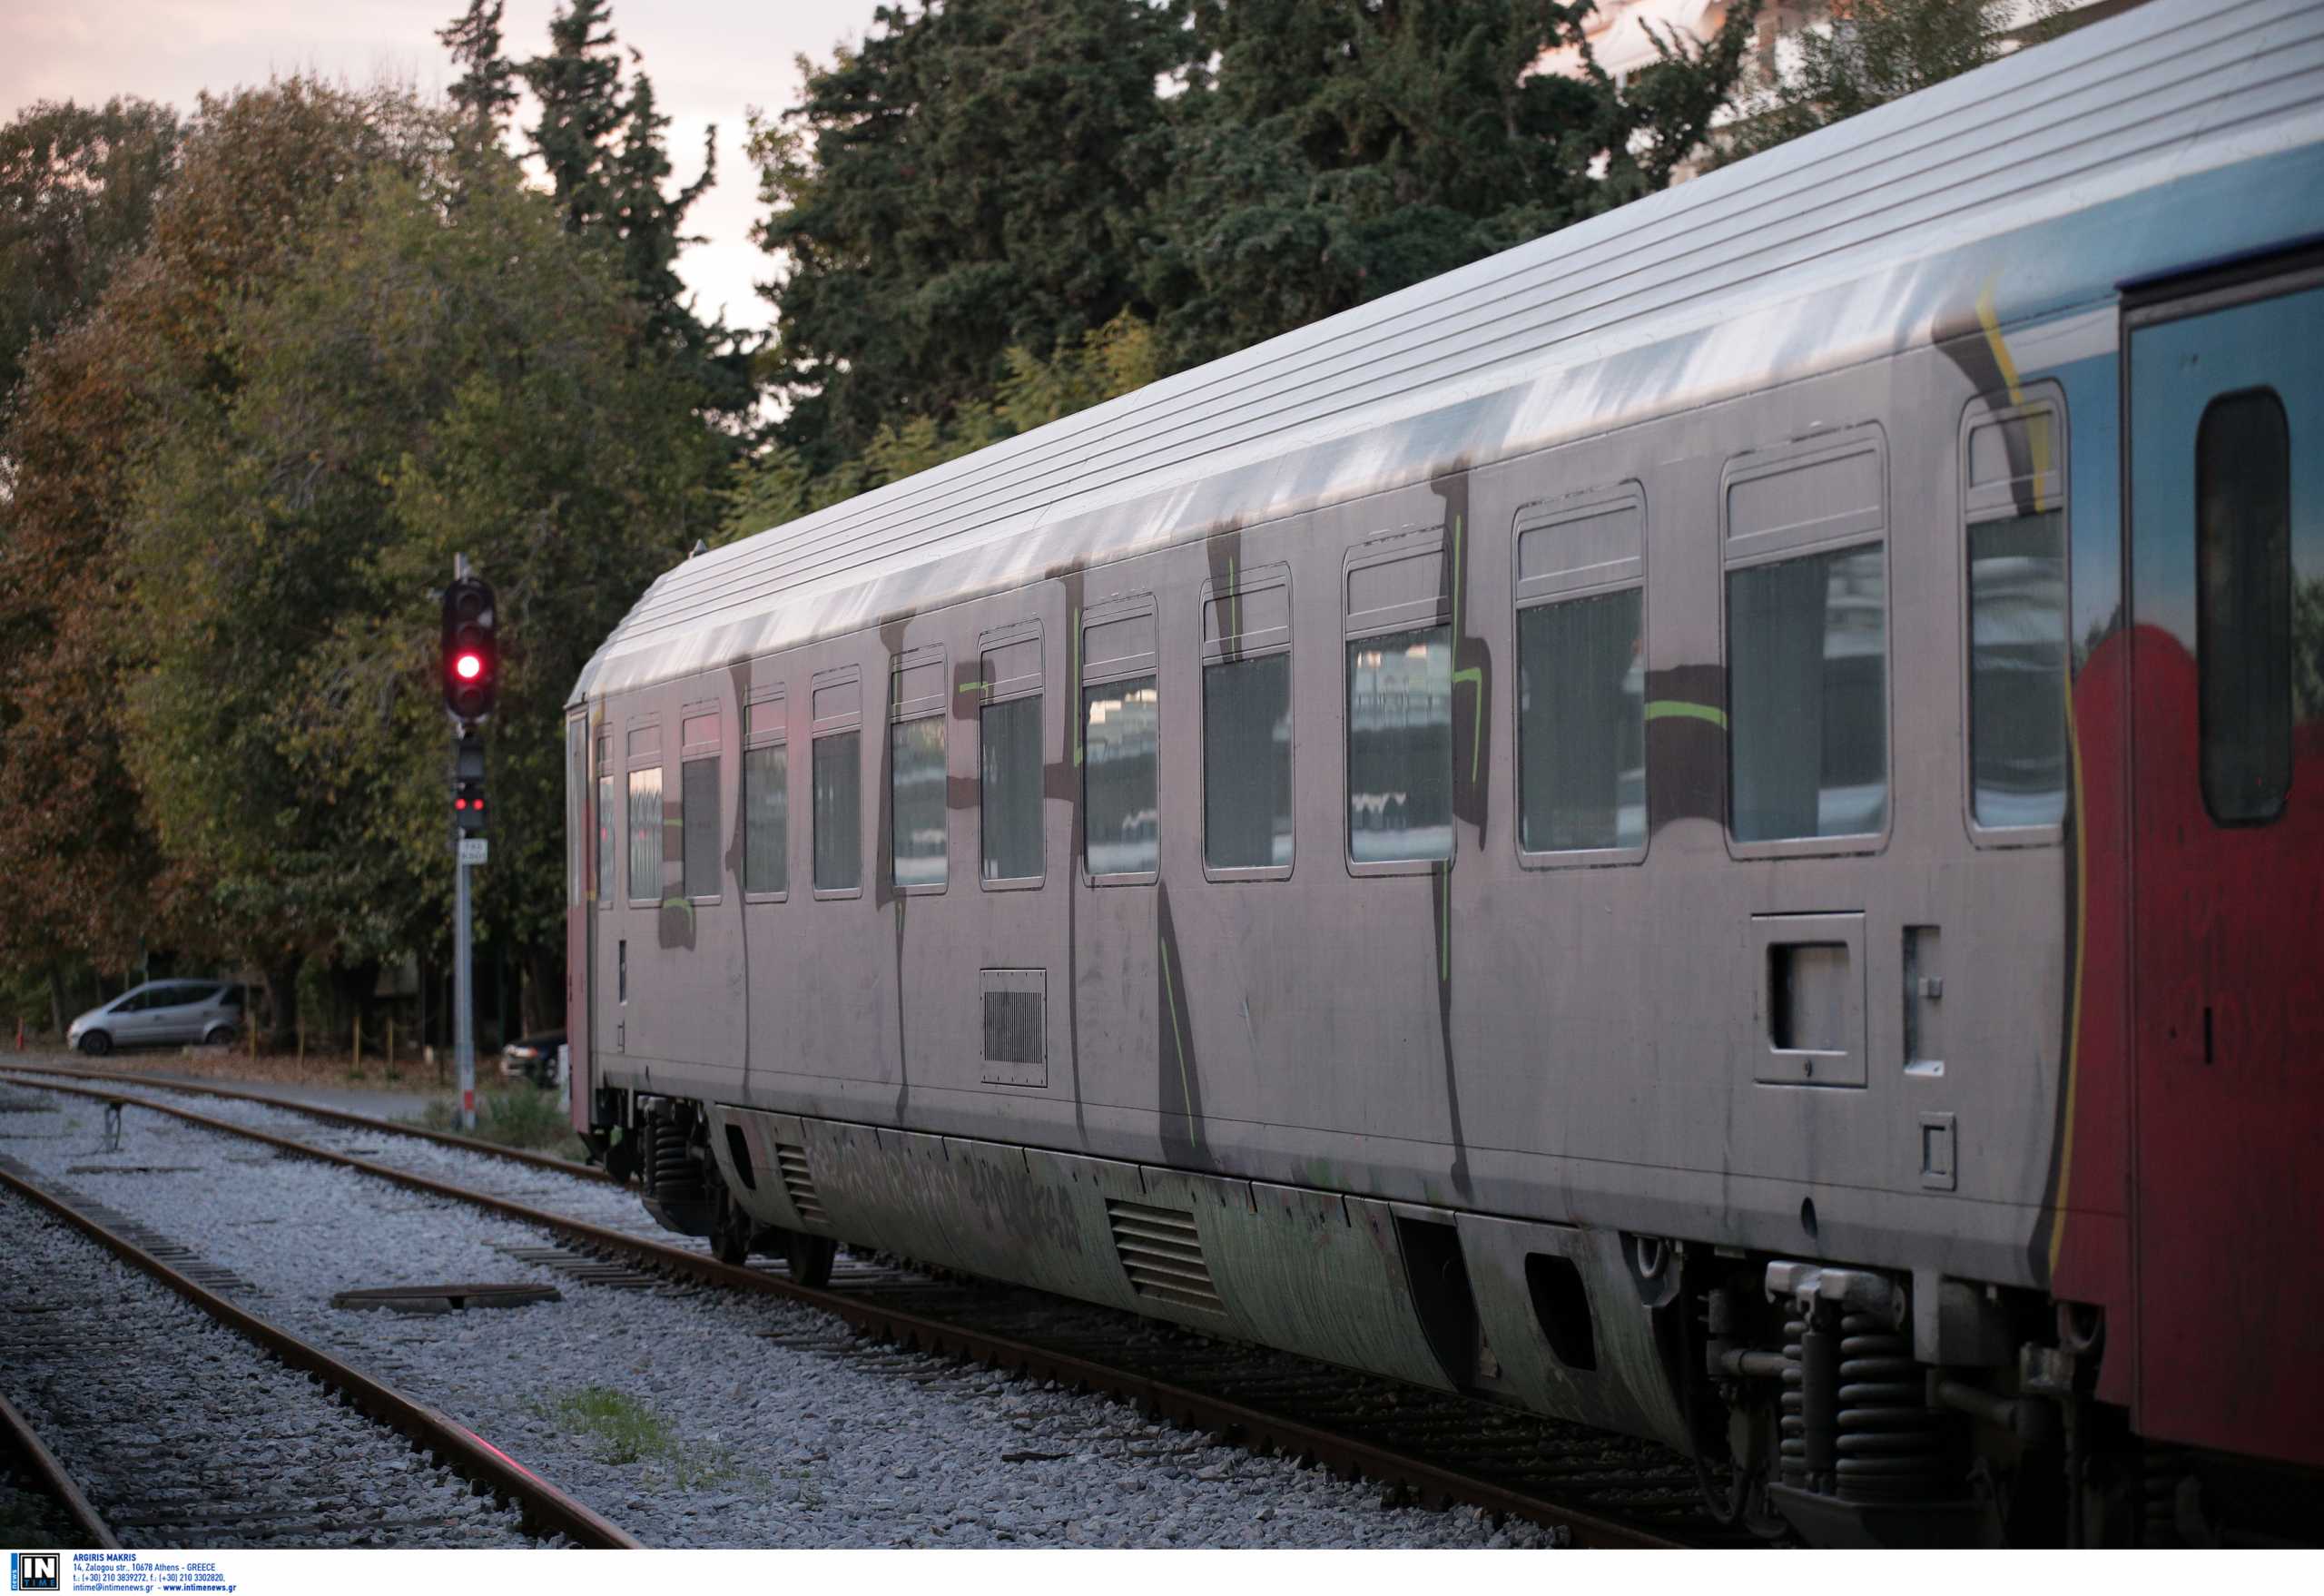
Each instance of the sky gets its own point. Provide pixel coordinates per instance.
(711, 60)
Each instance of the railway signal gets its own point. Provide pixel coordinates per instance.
(471, 649)
(468, 783)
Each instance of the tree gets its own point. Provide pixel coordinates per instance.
(486, 90)
(430, 380)
(87, 873)
(1867, 53)
(1119, 358)
(966, 182)
(1345, 152)
(602, 147)
(77, 187)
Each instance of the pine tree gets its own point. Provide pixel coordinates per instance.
(487, 86)
(578, 85)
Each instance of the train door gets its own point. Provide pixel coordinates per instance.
(2225, 400)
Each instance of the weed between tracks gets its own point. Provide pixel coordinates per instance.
(514, 1117)
(625, 1431)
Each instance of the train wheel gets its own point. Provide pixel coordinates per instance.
(731, 1232)
(810, 1257)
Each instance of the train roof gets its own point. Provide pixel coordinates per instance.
(1894, 226)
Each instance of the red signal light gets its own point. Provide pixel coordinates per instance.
(467, 667)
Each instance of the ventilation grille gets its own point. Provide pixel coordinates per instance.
(1016, 1028)
(1013, 1028)
(792, 1161)
(1161, 1253)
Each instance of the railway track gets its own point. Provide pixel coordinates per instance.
(183, 1418)
(1598, 1489)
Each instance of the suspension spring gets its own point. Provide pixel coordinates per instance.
(672, 1175)
(1792, 1428)
(1891, 1448)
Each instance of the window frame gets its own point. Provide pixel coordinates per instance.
(1216, 652)
(635, 759)
(1998, 502)
(776, 736)
(820, 728)
(1407, 616)
(1580, 582)
(1013, 690)
(1122, 668)
(1775, 548)
(903, 712)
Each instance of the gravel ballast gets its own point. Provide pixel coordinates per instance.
(689, 1417)
(182, 1433)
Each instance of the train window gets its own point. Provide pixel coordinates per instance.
(1400, 746)
(1120, 732)
(1247, 724)
(1807, 641)
(1246, 764)
(1121, 723)
(2012, 499)
(916, 807)
(2243, 621)
(766, 795)
(646, 835)
(916, 853)
(698, 802)
(1581, 674)
(1009, 758)
(835, 769)
(605, 823)
(766, 819)
(839, 812)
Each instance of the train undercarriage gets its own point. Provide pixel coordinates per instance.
(1820, 1403)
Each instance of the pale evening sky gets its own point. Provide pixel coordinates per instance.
(710, 60)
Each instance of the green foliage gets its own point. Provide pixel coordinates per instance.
(429, 380)
(1101, 364)
(486, 90)
(602, 146)
(513, 1116)
(1866, 54)
(1346, 151)
(77, 187)
(967, 182)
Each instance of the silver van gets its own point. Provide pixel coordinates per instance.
(160, 1011)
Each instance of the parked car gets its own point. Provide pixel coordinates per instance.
(533, 1057)
(159, 1012)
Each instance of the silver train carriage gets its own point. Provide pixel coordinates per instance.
(1711, 825)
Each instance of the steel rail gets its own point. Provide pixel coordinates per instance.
(544, 1508)
(338, 1115)
(1345, 1456)
(17, 1434)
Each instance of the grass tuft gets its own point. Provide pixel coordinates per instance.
(513, 1116)
(626, 1431)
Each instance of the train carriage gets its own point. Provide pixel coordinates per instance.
(1718, 815)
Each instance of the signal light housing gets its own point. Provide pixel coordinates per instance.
(468, 784)
(472, 650)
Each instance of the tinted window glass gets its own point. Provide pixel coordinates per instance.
(839, 812)
(698, 808)
(1120, 723)
(1009, 738)
(1400, 746)
(1581, 724)
(1807, 697)
(2243, 604)
(2017, 671)
(1246, 764)
(766, 819)
(916, 807)
(645, 834)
